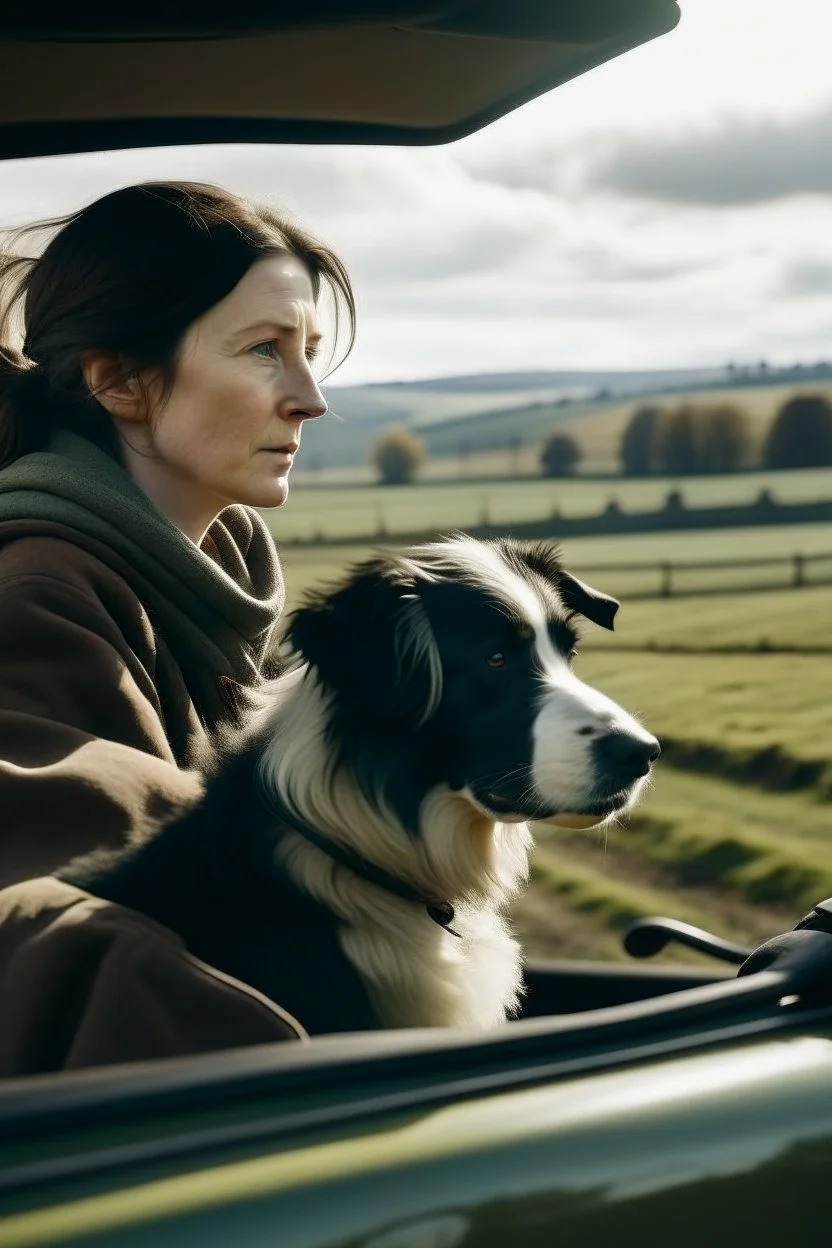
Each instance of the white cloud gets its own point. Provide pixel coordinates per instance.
(551, 239)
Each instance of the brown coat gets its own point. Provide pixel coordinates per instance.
(98, 727)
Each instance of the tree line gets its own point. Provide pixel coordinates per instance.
(715, 437)
(688, 439)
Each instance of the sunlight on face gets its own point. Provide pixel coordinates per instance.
(244, 386)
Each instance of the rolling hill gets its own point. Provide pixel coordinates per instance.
(477, 413)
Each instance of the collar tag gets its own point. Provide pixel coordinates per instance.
(442, 912)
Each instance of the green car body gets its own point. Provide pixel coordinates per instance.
(699, 1117)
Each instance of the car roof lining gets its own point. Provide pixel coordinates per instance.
(406, 77)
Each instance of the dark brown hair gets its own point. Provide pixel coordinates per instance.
(129, 274)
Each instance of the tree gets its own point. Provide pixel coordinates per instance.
(637, 442)
(560, 455)
(701, 437)
(800, 435)
(725, 441)
(676, 444)
(398, 455)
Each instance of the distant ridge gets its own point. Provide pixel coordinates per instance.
(557, 378)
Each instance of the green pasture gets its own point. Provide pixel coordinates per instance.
(756, 622)
(714, 846)
(346, 511)
(308, 565)
(743, 863)
(742, 703)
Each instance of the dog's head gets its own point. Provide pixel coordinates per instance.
(458, 656)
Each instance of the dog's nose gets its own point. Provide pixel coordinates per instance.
(626, 754)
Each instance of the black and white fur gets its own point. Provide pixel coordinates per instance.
(431, 711)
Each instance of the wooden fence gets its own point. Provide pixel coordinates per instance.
(677, 579)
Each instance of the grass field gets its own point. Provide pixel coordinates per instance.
(345, 511)
(743, 703)
(305, 566)
(736, 831)
(714, 845)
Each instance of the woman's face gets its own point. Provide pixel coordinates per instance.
(231, 425)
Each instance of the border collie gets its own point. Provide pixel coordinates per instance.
(357, 844)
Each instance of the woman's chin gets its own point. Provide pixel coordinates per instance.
(268, 494)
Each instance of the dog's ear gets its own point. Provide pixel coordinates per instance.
(586, 601)
(543, 558)
(371, 642)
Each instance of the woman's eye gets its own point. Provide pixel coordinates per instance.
(268, 350)
(498, 659)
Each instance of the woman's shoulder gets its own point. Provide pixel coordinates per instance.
(46, 575)
(35, 558)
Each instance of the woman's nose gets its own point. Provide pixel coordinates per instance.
(310, 403)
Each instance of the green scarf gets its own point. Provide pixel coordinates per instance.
(215, 605)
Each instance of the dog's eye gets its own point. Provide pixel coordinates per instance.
(498, 659)
(572, 655)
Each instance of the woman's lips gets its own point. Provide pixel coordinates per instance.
(282, 456)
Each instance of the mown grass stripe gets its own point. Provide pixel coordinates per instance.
(616, 903)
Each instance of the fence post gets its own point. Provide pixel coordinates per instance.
(799, 573)
(666, 590)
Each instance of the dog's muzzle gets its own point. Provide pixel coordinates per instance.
(622, 758)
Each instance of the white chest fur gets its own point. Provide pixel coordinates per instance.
(419, 975)
(416, 973)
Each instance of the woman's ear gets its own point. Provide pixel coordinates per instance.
(115, 386)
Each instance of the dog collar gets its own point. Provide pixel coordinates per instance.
(442, 912)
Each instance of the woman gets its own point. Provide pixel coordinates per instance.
(160, 395)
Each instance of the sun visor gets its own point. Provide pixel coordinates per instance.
(89, 76)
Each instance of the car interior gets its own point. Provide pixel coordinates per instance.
(95, 77)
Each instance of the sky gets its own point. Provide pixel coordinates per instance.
(672, 208)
